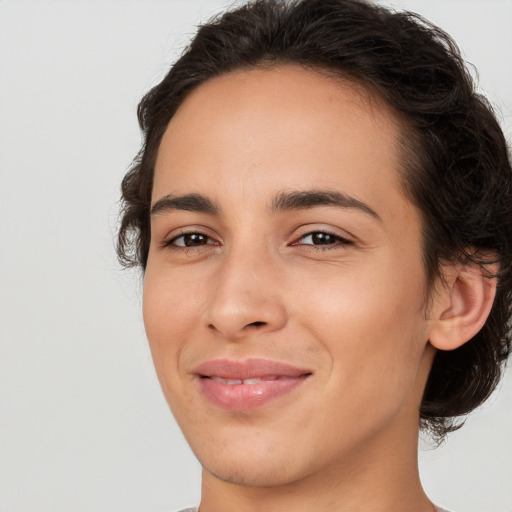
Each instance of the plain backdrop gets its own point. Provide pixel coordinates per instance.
(83, 424)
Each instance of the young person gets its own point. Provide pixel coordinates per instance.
(322, 208)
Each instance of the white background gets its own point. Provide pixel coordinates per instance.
(83, 425)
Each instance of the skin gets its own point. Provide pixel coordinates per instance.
(352, 310)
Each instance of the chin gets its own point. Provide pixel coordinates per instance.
(246, 474)
(251, 460)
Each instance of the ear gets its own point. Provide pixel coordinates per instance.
(462, 304)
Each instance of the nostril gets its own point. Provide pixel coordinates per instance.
(252, 324)
(256, 324)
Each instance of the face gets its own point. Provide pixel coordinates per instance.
(284, 290)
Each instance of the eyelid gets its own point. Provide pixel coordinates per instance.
(188, 230)
(345, 237)
(173, 240)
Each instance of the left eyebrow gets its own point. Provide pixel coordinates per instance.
(303, 200)
(188, 202)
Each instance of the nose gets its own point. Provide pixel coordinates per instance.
(247, 297)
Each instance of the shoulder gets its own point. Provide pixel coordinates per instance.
(193, 509)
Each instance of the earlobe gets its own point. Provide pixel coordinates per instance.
(462, 305)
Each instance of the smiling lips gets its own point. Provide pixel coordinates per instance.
(245, 385)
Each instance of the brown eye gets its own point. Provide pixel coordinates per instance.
(322, 238)
(190, 240)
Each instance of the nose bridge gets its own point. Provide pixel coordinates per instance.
(246, 295)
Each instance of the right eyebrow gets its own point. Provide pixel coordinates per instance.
(306, 199)
(187, 202)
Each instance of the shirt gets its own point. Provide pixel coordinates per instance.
(439, 509)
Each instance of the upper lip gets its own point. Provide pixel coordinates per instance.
(248, 368)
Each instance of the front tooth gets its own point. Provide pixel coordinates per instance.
(252, 381)
(226, 381)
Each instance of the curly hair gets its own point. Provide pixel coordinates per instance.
(456, 166)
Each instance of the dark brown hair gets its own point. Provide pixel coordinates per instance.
(456, 166)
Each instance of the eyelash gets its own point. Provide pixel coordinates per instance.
(171, 243)
(336, 239)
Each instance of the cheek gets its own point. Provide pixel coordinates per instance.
(371, 322)
(167, 318)
(377, 295)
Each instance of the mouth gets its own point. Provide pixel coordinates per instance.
(245, 385)
(249, 381)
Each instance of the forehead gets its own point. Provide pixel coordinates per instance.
(280, 127)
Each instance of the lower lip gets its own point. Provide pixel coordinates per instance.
(245, 397)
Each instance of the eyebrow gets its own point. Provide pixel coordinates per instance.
(283, 201)
(303, 200)
(189, 202)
